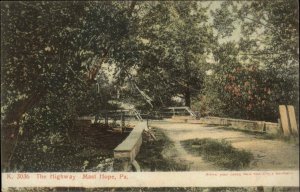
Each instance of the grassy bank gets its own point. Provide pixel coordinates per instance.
(221, 153)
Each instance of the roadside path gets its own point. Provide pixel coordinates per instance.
(268, 154)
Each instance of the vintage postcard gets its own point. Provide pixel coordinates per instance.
(150, 96)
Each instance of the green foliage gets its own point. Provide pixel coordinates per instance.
(52, 52)
(69, 40)
(219, 152)
(258, 72)
(238, 90)
(173, 52)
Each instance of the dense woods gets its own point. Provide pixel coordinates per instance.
(62, 60)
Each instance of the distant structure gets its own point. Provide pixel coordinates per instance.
(178, 111)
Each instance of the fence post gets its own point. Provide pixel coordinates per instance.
(147, 120)
(106, 119)
(284, 120)
(122, 122)
(292, 119)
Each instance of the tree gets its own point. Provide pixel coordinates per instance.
(175, 41)
(267, 53)
(35, 59)
(52, 52)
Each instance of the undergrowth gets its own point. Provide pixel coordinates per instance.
(89, 150)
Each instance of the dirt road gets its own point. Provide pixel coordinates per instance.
(268, 154)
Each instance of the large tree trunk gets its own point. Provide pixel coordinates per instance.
(187, 96)
(10, 126)
(20, 107)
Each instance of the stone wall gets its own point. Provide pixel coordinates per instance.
(125, 152)
(259, 126)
